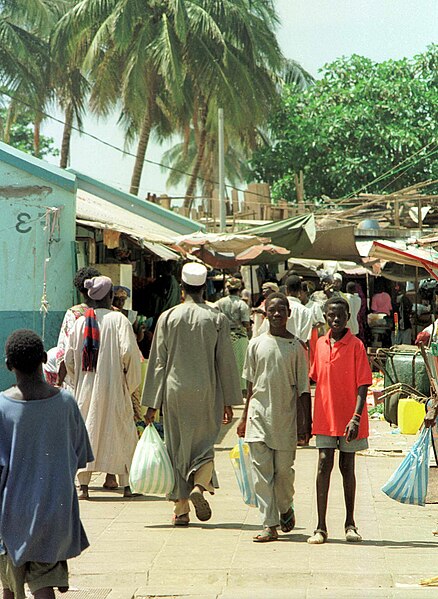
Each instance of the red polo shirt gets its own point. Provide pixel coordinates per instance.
(338, 371)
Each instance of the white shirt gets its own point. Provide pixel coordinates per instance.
(277, 369)
(355, 304)
(317, 313)
(300, 321)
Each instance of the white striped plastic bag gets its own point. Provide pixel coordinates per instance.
(409, 482)
(151, 470)
(241, 461)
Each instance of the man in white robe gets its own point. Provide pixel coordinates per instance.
(193, 377)
(104, 394)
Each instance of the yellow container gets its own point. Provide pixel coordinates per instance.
(410, 415)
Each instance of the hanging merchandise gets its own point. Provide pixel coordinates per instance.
(53, 235)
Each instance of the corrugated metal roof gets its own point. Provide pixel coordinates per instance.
(96, 212)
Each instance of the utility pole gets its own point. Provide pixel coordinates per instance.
(222, 209)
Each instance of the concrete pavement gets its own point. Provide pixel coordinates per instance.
(135, 552)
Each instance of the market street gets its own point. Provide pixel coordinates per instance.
(135, 551)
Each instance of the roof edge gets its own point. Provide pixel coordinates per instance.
(38, 167)
(178, 223)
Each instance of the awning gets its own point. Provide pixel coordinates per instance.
(334, 244)
(296, 234)
(405, 254)
(100, 214)
(222, 243)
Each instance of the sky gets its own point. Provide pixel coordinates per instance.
(313, 32)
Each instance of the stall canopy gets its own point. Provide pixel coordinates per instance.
(337, 244)
(220, 243)
(95, 212)
(407, 254)
(296, 234)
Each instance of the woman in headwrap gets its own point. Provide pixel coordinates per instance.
(102, 359)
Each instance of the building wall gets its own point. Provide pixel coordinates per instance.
(32, 248)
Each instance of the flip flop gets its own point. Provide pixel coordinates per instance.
(182, 520)
(201, 505)
(319, 537)
(351, 535)
(287, 520)
(266, 536)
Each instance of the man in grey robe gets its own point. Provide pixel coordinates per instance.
(192, 376)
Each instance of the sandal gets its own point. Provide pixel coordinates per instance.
(287, 520)
(351, 535)
(266, 536)
(182, 520)
(201, 505)
(319, 537)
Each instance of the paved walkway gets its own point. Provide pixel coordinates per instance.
(135, 552)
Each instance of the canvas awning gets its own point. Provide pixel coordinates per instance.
(222, 243)
(406, 254)
(296, 234)
(337, 244)
(96, 212)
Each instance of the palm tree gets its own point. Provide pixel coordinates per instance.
(131, 51)
(232, 54)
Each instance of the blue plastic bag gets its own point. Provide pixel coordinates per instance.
(241, 461)
(409, 482)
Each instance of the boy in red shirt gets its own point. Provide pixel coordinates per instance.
(342, 375)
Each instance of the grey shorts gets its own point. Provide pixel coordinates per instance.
(327, 442)
(37, 575)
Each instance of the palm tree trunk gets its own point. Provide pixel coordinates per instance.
(37, 134)
(10, 120)
(143, 141)
(199, 158)
(66, 136)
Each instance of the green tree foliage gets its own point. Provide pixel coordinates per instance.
(21, 134)
(362, 126)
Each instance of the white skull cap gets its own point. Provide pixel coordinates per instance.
(194, 274)
(337, 276)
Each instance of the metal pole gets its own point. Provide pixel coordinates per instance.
(222, 214)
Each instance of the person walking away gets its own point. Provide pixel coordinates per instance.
(43, 441)
(355, 304)
(277, 374)
(103, 361)
(193, 378)
(342, 375)
(69, 320)
(237, 312)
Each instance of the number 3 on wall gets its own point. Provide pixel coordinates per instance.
(22, 222)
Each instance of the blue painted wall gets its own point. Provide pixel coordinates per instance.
(28, 248)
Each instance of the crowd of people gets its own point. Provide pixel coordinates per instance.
(79, 416)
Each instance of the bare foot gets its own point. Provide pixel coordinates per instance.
(128, 493)
(110, 482)
(84, 492)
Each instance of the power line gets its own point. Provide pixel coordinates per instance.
(393, 170)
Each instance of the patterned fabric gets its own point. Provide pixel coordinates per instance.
(68, 323)
(90, 351)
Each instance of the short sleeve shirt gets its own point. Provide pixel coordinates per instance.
(235, 309)
(339, 371)
(277, 368)
(300, 320)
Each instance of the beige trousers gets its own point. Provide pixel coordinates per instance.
(202, 477)
(84, 478)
